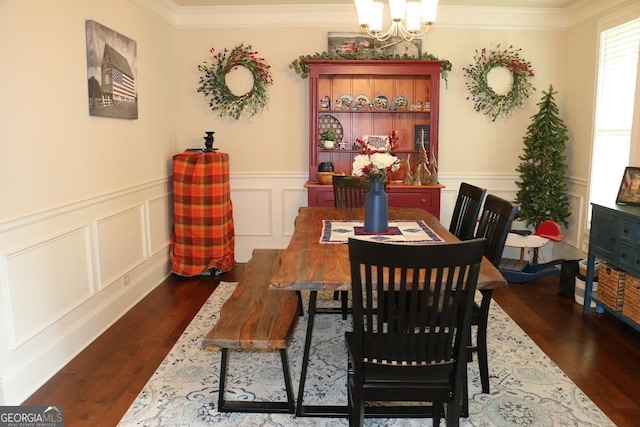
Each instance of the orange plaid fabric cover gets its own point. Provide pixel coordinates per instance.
(203, 234)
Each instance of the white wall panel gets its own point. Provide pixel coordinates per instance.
(292, 199)
(160, 223)
(252, 211)
(45, 281)
(120, 244)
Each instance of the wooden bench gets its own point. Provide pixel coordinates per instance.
(255, 317)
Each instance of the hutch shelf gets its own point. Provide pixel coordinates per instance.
(358, 98)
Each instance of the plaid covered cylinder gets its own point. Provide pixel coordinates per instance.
(203, 235)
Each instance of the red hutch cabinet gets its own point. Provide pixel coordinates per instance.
(373, 97)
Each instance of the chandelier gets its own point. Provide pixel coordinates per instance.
(416, 13)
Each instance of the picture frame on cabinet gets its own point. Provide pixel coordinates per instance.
(417, 136)
(629, 191)
(377, 141)
(367, 47)
(399, 46)
(350, 43)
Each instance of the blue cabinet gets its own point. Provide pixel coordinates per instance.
(614, 239)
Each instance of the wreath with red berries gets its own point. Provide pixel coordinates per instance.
(485, 99)
(214, 86)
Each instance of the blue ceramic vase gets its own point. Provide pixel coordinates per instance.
(376, 209)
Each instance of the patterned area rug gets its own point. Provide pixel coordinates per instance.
(527, 388)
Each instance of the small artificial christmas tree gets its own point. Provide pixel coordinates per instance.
(543, 171)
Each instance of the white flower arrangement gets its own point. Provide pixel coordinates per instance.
(375, 164)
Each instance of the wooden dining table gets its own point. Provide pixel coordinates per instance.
(307, 264)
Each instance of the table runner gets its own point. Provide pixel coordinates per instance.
(404, 231)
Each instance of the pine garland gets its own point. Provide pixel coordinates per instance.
(302, 69)
(543, 171)
(213, 83)
(485, 99)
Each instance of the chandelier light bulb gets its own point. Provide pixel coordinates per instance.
(407, 18)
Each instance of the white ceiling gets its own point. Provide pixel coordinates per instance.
(487, 3)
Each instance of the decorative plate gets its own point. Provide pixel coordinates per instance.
(381, 102)
(401, 102)
(326, 122)
(345, 102)
(362, 102)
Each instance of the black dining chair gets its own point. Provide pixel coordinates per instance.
(420, 353)
(348, 192)
(495, 222)
(466, 211)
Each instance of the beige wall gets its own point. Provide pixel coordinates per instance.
(86, 214)
(53, 152)
(277, 139)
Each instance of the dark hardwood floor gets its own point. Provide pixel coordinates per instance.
(598, 352)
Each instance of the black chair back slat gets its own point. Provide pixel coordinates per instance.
(466, 211)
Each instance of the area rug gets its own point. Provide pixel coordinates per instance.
(527, 388)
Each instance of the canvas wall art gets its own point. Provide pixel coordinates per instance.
(111, 72)
(365, 46)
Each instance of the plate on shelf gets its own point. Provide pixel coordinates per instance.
(381, 102)
(362, 102)
(345, 102)
(401, 102)
(326, 122)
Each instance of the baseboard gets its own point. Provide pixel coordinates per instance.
(20, 383)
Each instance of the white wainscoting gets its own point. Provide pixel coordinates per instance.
(265, 207)
(264, 210)
(118, 253)
(66, 274)
(33, 274)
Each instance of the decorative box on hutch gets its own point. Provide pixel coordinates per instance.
(203, 236)
(373, 97)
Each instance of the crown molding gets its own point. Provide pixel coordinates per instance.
(344, 15)
(504, 18)
(583, 10)
(167, 10)
(282, 16)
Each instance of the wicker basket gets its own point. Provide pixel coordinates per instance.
(325, 178)
(631, 304)
(611, 286)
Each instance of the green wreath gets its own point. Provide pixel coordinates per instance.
(485, 99)
(214, 86)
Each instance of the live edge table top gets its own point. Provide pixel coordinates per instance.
(307, 264)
